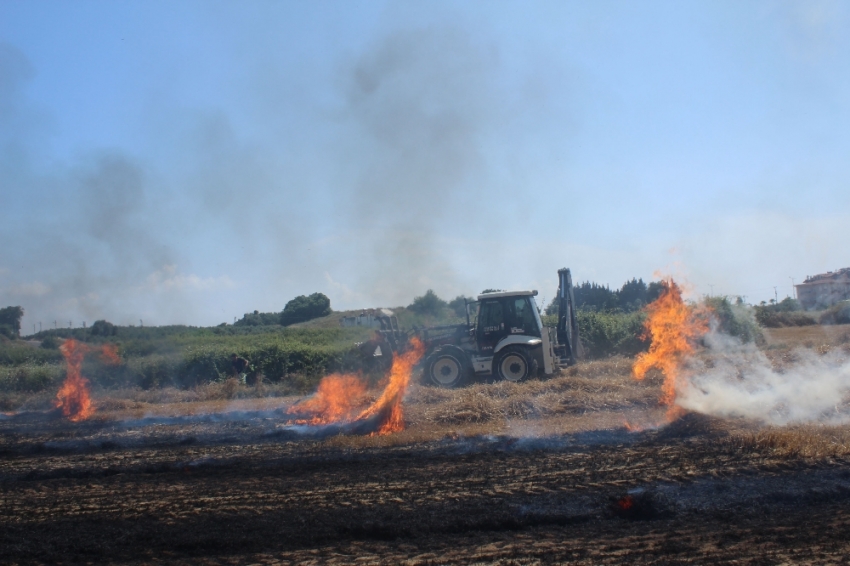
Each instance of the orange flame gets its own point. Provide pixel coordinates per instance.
(73, 397)
(339, 397)
(673, 327)
(389, 403)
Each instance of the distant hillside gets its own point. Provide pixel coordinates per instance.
(407, 319)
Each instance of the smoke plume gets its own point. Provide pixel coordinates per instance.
(417, 105)
(742, 382)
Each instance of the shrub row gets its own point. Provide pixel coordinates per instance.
(30, 377)
(770, 319)
(605, 333)
(735, 319)
(836, 314)
(188, 360)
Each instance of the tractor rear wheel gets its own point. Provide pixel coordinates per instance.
(514, 363)
(447, 367)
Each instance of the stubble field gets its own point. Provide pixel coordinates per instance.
(569, 469)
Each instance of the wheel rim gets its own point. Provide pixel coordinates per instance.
(445, 371)
(513, 367)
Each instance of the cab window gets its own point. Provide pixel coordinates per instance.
(522, 317)
(490, 317)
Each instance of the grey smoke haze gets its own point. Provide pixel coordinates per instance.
(190, 165)
(96, 245)
(418, 106)
(94, 241)
(408, 162)
(119, 218)
(743, 383)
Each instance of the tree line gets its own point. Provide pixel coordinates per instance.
(300, 309)
(631, 297)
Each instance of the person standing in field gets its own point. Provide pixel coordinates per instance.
(240, 366)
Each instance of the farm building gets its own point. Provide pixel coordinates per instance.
(372, 318)
(821, 291)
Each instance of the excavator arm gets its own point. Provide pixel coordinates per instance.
(567, 329)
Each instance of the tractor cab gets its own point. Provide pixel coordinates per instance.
(505, 337)
(505, 314)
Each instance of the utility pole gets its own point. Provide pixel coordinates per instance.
(33, 328)
(55, 325)
(775, 295)
(141, 322)
(70, 324)
(793, 288)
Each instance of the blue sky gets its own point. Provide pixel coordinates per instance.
(187, 162)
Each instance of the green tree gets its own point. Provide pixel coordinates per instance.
(458, 305)
(429, 303)
(103, 328)
(654, 290)
(305, 307)
(593, 296)
(632, 295)
(787, 312)
(10, 321)
(258, 318)
(734, 319)
(788, 305)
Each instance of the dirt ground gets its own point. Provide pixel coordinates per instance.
(542, 472)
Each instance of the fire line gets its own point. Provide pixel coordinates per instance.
(673, 327)
(339, 397)
(73, 398)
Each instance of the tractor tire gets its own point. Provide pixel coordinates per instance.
(515, 364)
(447, 367)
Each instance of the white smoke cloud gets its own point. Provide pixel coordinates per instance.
(742, 382)
(345, 293)
(31, 289)
(169, 278)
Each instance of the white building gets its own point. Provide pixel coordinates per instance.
(821, 291)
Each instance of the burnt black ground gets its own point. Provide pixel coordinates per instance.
(239, 493)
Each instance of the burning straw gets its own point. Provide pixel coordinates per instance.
(673, 327)
(335, 406)
(740, 380)
(73, 398)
